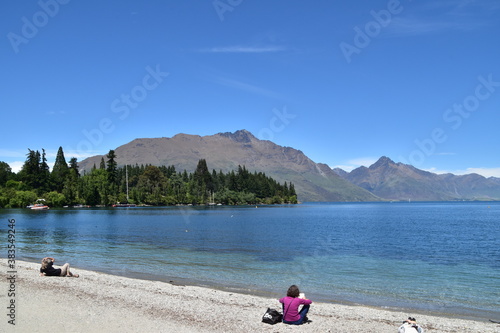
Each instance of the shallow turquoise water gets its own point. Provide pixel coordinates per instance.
(443, 257)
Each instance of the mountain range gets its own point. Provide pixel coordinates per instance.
(384, 180)
(397, 181)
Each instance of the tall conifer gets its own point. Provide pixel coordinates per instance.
(60, 171)
(30, 171)
(73, 165)
(103, 164)
(44, 173)
(112, 167)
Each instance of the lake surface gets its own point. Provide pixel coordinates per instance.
(440, 257)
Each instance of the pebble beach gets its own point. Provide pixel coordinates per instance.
(97, 302)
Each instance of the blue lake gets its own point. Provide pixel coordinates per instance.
(440, 257)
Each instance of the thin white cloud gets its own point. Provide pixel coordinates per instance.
(243, 49)
(50, 153)
(80, 155)
(246, 87)
(438, 171)
(356, 163)
(413, 27)
(12, 153)
(466, 7)
(347, 168)
(485, 172)
(444, 154)
(51, 113)
(444, 16)
(4, 153)
(363, 161)
(16, 166)
(11, 157)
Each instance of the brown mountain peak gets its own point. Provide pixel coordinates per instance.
(384, 161)
(225, 151)
(242, 136)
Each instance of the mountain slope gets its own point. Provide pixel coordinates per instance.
(225, 151)
(398, 181)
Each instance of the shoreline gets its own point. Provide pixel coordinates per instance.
(97, 302)
(180, 281)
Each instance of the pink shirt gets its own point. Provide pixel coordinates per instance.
(291, 310)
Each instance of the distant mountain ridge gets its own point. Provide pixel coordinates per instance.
(397, 181)
(225, 151)
(384, 180)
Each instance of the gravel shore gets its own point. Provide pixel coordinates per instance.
(97, 302)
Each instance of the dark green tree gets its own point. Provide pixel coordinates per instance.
(96, 188)
(44, 174)
(232, 181)
(30, 172)
(60, 171)
(73, 165)
(185, 176)
(203, 180)
(153, 183)
(201, 174)
(112, 167)
(5, 173)
(72, 187)
(147, 184)
(102, 166)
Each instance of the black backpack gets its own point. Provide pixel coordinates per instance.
(272, 316)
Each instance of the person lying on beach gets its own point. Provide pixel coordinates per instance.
(47, 268)
(410, 326)
(291, 303)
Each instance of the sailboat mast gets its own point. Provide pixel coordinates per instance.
(126, 178)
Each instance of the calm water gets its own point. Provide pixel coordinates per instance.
(442, 257)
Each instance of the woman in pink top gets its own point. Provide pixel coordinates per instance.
(291, 303)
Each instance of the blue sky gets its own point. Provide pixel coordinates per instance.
(346, 82)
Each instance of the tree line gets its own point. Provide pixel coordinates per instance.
(107, 184)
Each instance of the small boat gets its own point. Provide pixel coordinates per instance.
(81, 206)
(38, 207)
(124, 205)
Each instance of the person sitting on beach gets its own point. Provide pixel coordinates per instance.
(291, 303)
(47, 268)
(410, 326)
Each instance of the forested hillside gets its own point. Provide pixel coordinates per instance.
(106, 184)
